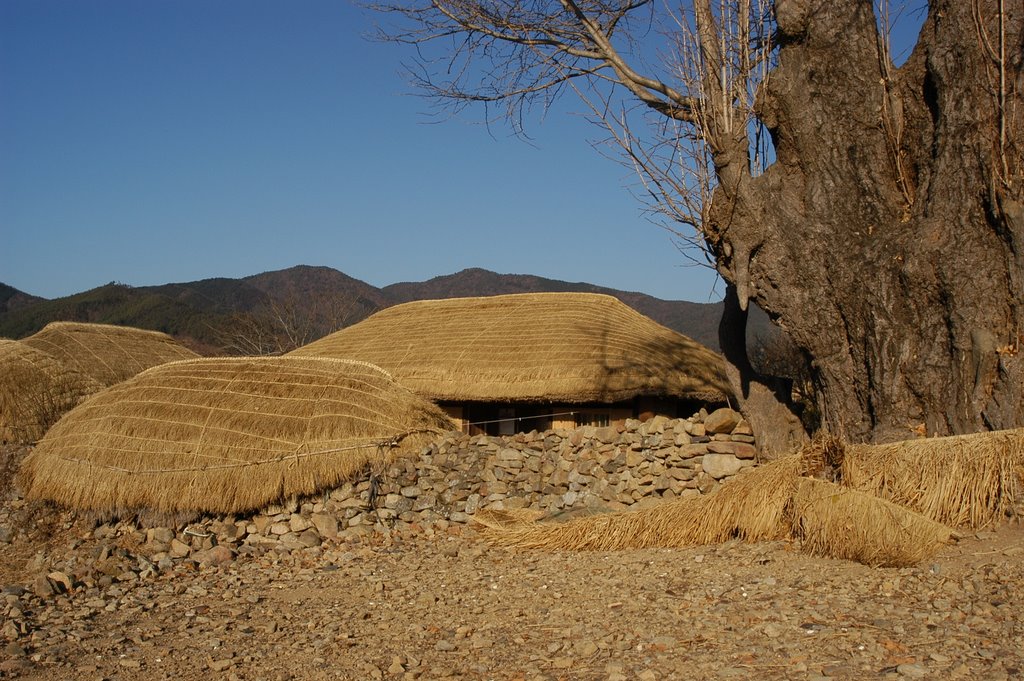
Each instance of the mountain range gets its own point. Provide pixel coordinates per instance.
(275, 311)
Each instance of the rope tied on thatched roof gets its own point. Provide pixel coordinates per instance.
(105, 352)
(36, 389)
(208, 434)
(383, 447)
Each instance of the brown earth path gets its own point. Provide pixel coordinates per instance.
(452, 607)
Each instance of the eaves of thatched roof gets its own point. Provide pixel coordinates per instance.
(108, 353)
(538, 347)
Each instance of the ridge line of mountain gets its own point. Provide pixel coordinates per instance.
(205, 312)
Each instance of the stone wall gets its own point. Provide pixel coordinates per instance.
(555, 471)
(561, 470)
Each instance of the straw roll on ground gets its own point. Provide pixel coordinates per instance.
(753, 507)
(35, 390)
(962, 480)
(839, 522)
(227, 435)
(774, 501)
(573, 347)
(107, 353)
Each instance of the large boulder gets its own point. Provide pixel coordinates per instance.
(719, 466)
(722, 421)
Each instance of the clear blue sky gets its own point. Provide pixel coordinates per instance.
(156, 141)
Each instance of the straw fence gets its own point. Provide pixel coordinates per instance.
(227, 435)
(567, 347)
(961, 481)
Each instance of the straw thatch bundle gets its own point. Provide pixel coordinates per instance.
(962, 481)
(35, 390)
(838, 522)
(541, 347)
(774, 501)
(752, 507)
(107, 353)
(227, 435)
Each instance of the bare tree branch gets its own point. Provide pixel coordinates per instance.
(525, 53)
(515, 51)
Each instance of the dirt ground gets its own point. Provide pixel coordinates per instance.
(396, 606)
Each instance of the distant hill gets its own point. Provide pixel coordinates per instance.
(193, 321)
(12, 299)
(274, 311)
(322, 284)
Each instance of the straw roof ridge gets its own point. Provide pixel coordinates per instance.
(504, 298)
(285, 358)
(539, 347)
(105, 328)
(227, 435)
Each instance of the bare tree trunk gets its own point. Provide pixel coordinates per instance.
(887, 238)
(764, 400)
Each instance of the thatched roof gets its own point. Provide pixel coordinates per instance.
(538, 347)
(227, 435)
(35, 390)
(108, 353)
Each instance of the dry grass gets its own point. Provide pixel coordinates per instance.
(35, 391)
(961, 481)
(838, 522)
(108, 354)
(571, 347)
(752, 507)
(895, 505)
(227, 435)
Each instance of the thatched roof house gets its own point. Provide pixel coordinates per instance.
(226, 435)
(528, 355)
(35, 390)
(108, 353)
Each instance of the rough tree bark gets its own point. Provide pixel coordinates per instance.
(887, 238)
(765, 400)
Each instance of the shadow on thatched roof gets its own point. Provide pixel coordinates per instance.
(107, 353)
(227, 435)
(573, 347)
(35, 390)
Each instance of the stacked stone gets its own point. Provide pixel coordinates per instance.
(558, 470)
